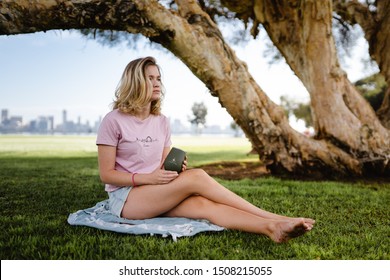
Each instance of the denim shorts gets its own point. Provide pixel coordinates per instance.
(117, 199)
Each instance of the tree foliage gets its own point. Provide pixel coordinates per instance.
(373, 89)
(199, 111)
(300, 110)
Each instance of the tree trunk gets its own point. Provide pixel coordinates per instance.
(376, 27)
(350, 139)
(302, 32)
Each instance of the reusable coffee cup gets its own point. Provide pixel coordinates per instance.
(174, 160)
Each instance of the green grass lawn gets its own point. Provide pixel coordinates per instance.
(44, 178)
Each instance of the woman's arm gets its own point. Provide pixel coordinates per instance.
(165, 154)
(108, 174)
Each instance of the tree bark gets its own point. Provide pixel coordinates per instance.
(301, 30)
(350, 140)
(376, 27)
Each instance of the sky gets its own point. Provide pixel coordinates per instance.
(42, 74)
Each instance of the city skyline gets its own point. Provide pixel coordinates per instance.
(45, 124)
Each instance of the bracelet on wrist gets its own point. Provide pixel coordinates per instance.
(132, 179)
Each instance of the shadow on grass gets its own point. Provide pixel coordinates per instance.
(38, 193)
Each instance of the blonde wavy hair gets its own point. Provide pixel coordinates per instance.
(135, 90)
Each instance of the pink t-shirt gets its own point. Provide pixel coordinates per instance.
(139, 143)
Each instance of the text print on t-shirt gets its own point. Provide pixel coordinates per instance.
(147, 141)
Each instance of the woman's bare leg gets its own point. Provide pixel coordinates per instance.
(154, 200)
(198, 207)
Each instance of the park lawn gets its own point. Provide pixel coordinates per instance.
(45, 178)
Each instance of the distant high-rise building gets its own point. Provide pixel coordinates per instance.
(4, 115)
(51, 123)
(64, 117)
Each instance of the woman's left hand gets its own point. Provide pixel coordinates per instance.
(184, 166)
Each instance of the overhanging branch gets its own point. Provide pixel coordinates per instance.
(22, 16)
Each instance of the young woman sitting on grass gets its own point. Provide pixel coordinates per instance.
(133, 141)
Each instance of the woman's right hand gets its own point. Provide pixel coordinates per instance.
(162, 176)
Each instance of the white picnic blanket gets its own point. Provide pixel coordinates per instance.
(100, 217)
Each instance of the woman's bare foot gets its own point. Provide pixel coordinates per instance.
(284, 230)
(306, 220)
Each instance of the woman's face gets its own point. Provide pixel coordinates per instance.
(153, 74)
